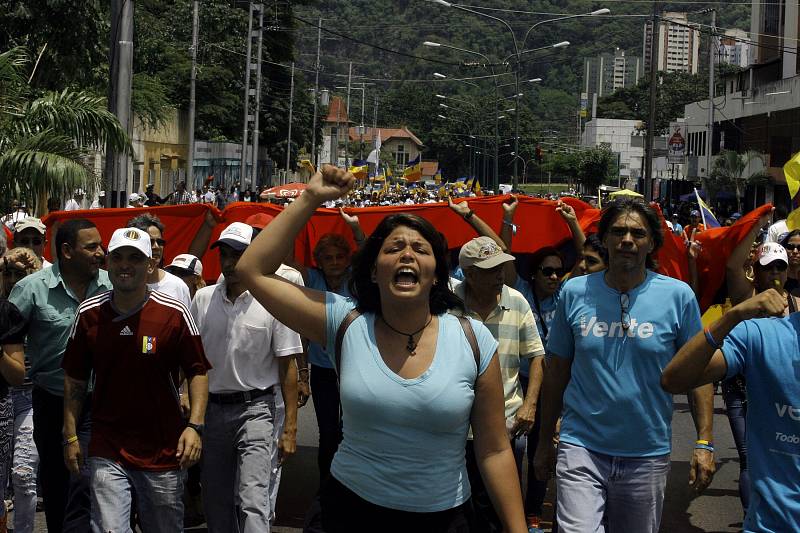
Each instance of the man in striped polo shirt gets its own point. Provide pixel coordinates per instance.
(135, 341)
(508, 316)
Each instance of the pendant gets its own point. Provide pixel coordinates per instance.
(411, 346)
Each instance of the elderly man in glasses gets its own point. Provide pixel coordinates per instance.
(612, 334)
(30, 233)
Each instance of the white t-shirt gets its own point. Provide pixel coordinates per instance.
(241, 340)
(72, 205)
(173, 286)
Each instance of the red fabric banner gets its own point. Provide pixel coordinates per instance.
(538, 225)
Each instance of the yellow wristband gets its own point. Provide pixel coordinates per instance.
(705, 442)
(71, 439)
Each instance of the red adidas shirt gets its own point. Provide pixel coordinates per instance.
(135, 357)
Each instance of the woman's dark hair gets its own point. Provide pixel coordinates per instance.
(593, 242)
(540, 255)
(365, 291)
(786, 238)
(629, 204)
(68, 232)
(145, 221)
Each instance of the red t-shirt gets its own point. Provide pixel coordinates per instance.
(136, 415)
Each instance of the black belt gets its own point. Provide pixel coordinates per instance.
(238, 397)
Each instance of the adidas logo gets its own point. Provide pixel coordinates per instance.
(126, 331)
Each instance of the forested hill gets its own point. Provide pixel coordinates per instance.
(384, 40)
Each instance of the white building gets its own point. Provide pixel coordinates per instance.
(678, 44)
(617, 135)
(734, 48)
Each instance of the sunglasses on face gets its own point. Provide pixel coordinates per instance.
(160, 242)
(27, 242)
(549, 271)
(792, 247)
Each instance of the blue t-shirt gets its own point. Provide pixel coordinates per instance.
(766, 351)
(545, 311)
(404, 439)
(316, 280)
(614, 403)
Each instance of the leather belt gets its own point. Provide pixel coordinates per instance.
(238, 397)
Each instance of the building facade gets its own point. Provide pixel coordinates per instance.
(734, 48)
(678, 44)
(400, 142)
(608, 73)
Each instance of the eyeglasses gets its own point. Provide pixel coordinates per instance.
(549, 271)
(792, 247)
(625, 317)
(33, 241)
(160, 242)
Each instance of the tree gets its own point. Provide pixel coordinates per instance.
(44, 138)
(595, 167)
(732, 170)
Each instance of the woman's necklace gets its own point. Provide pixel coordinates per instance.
(411, 345)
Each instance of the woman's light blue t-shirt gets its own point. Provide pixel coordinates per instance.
(316, 280)
(404, 439)
(546, 310)
(614, 403)
(767, 352)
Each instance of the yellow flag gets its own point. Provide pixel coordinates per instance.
(359, 172)
(792, 172)
(793, 220)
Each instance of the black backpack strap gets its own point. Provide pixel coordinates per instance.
(352, 315)
(473, 342)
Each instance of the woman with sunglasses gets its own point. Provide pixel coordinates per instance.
(16, 407)
(791, 242)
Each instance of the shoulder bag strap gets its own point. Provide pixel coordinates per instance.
(352, 315)
(473, 342)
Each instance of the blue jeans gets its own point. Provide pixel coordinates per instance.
(237, 447)
(599, 493)
(158, 495)
(6, 441)
(25, 463)
(736, 409)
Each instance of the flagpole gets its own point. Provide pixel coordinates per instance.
(700, 207)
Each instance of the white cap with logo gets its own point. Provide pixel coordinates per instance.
(237, 235)
(771, 251)
(133, 237)
(482, 252)
(188, 263)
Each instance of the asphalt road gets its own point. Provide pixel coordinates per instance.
(716, 511)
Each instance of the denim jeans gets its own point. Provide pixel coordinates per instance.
(25, 463)
(605, 494)
(736, 409)
(325, 397)
(237, 447)
(275, 474)
(6, 441)
(158, 497)
(67, 503)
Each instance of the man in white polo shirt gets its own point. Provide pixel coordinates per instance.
(252, 354)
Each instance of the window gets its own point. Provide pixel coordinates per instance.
(401, 156)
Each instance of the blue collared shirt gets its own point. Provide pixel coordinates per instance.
(49, 306)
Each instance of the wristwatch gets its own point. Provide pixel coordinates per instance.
(197, 427)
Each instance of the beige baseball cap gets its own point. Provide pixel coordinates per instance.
(482, 252)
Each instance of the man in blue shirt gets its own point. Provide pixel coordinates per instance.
(765, 351)
(48, 301)
(612, 334)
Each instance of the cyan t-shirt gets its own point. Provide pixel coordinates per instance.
(546, 312)
(404, 439)
(614, 403)
(316, 280)
(767, 352)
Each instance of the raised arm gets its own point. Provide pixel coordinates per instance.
(300, 308)
(203, 236)
(507, 231)
(693, 251)
(578, 238)
(355, 227)
(484, 230)
(739, 287)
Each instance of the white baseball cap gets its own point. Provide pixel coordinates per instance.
(134, 197)
(187, 263)
(771, 251)
(30, 222)
(237, 235)
(133, 237)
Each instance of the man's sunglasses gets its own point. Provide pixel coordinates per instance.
(33, 241)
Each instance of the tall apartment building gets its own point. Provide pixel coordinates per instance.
(734, 48)
(775, 26)
(607, 73)
(678, 44)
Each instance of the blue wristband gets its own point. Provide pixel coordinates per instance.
(711, 341)
(704, 447)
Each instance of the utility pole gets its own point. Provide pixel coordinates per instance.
(289, 135)
(711, 51)
(651, 121)
(347, 126)
(120, 101)
(192, 102)
(361, 128)
(316, 95)
(254, 178)
(515, 179)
